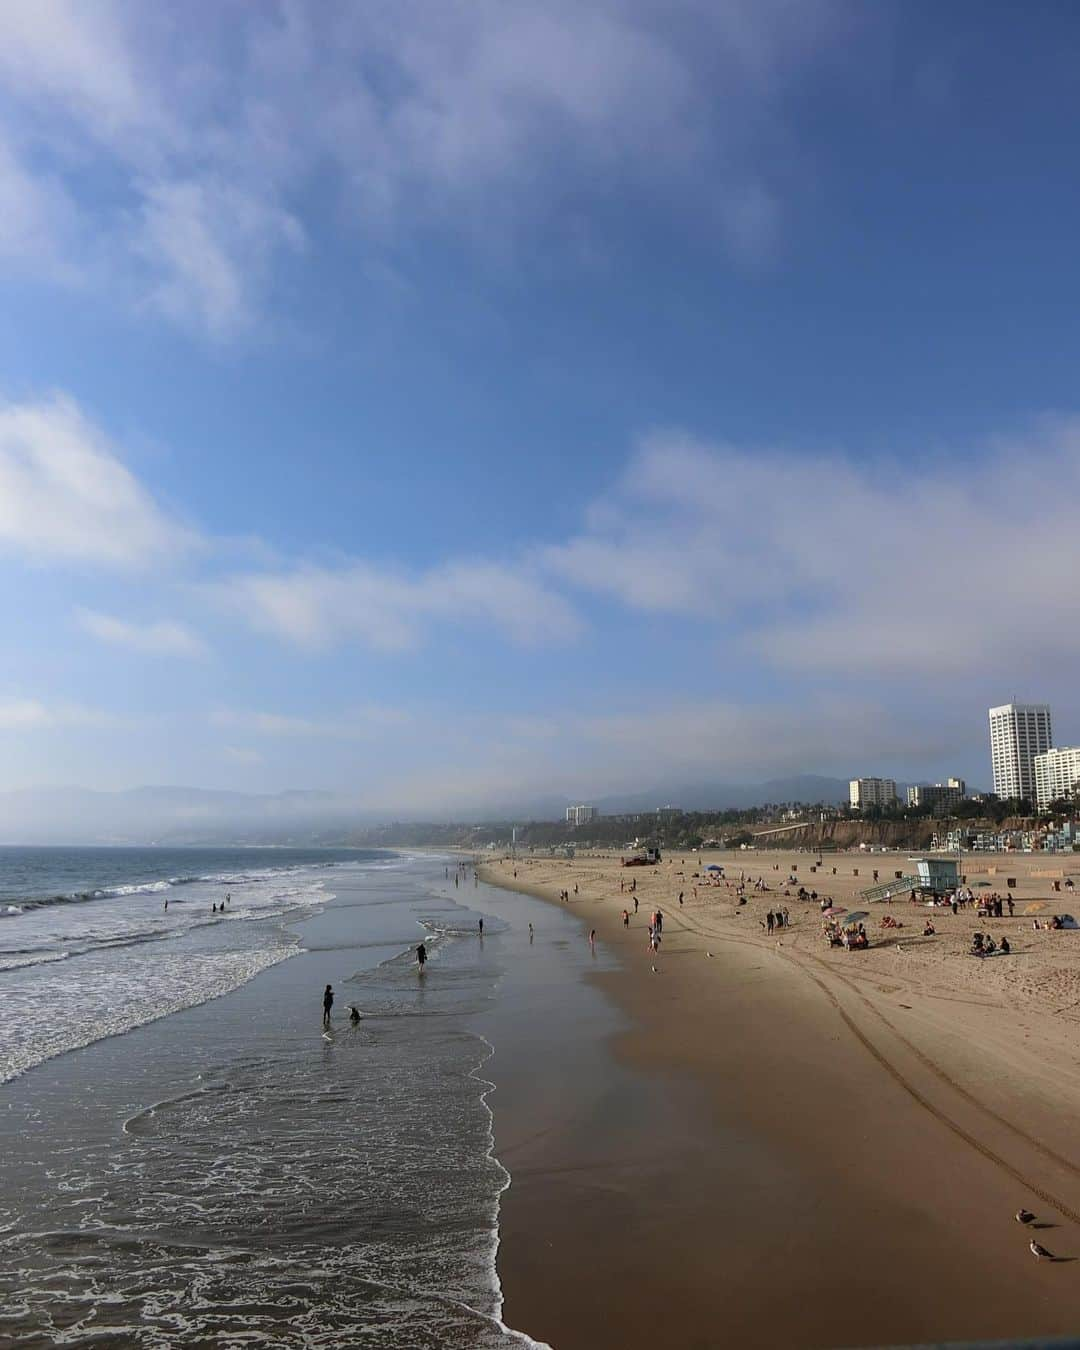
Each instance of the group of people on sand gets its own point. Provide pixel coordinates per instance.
(779, 918)
(982, 944)
(853, 938)
(656, 929)
(1053, 923)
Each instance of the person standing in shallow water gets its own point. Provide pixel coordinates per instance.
(421, 957)
(327, 1004)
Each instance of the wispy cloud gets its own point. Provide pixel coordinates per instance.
(360, 723)
(162, 637)
(30, 714)
(831, 563)
(388, 610)
(459, 116)
(242, 754)
(65, 494)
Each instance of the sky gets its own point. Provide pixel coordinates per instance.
(443, 404)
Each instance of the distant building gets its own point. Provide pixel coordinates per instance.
(864, 792)
(937, 795)
(1057, 774)
(580, 815)
(1018, 732)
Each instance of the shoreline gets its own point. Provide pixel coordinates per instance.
(893, 1116)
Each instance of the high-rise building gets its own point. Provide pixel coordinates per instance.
(1057, 774)
(580, 815)
(864, 792)
(1018, 732)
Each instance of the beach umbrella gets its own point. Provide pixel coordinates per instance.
(712, 867)
(831, 912)
(857, 916)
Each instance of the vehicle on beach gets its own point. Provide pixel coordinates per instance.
(646, 859)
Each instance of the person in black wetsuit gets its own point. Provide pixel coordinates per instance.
(421, 957)
(327, 1004)
(354, 1014)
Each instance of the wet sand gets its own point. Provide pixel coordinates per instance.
(833, 1151)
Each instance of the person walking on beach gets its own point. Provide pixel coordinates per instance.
(481, 927)
(635, 904)
(421, 957)
(680, 897)
(626, 918)
(327, 1004)
(659, 920)
(769, 921)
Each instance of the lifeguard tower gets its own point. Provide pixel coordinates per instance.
(930, 875)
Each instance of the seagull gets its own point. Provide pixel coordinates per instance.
(1038, 1251)
(708, 953)
(1024, 1216)
(655, 971)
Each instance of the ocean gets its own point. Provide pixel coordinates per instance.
(186, 1158)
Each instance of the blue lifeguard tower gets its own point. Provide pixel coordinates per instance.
(937, 874)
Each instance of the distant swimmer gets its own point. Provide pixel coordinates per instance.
(327, 1004)
(421, 957)
(354, 1014)
(481, 927)
(214, 908)
(166, 904)
(530, 932)
(228, 897)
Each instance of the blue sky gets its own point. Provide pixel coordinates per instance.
(447, 404)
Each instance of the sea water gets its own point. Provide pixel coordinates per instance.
(179, 1168)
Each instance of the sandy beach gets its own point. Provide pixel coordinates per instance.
(855, 1130)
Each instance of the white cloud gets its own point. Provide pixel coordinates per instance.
(63, 52)
(316, 607)
(242, 754)
(828, 563)
(359, 723)
(206, 246)
(38, 219)
(162, 637)
(217, 132)
(29, 714)
(64, 494)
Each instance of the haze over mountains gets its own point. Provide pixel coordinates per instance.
(184, 815)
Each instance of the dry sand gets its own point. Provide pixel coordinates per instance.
(866, 1123)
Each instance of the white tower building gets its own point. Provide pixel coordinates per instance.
(1018, 732)
(1057, 774)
